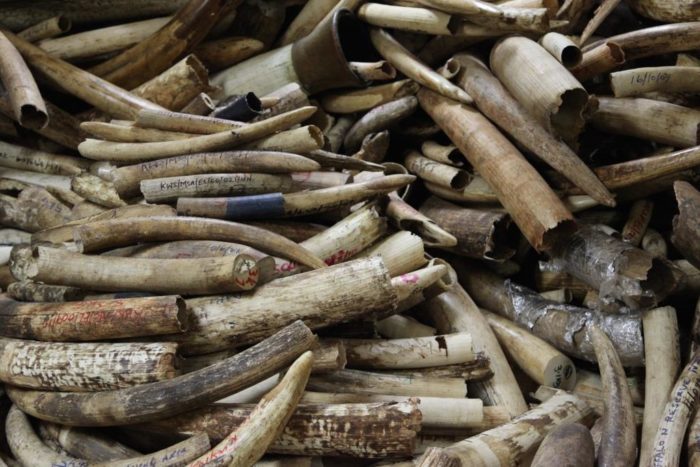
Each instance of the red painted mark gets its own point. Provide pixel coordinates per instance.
(91, 317)
(410, 278)
(248, 280)
(285, 267)
(216, 453)
(340, 256)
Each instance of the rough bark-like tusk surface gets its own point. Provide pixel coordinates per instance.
(175, 87)
(565, 326)
(93, 319)
(391, 426)
(463, 413)
(84, 366)
(311, 296)
(481, 234)
(667, 10)
(364, 382)
(167, 398)
(621, 271)
(249, 442)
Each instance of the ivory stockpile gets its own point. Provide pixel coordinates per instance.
(429, 233)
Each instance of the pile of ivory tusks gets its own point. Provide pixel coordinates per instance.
(336, 232)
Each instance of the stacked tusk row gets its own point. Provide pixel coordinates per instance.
(338, 232)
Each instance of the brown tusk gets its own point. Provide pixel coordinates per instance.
(167, 398)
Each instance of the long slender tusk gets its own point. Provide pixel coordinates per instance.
(84, 443)
(409, 64)
(619, 443)
(127, 152)
(102, 235)
(275, 205)
(126, 179)
(64, 233)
